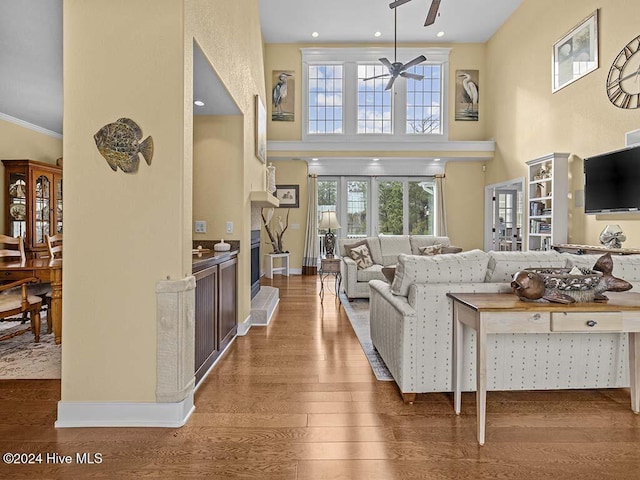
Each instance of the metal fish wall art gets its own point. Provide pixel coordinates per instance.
(119, 143)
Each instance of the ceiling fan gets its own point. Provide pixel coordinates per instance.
(398, 68)
(431, 16)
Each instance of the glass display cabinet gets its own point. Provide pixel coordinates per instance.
(33, 202)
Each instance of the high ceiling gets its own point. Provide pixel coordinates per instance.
(31, 41)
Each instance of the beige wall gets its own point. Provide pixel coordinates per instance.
(128, 231)
(217, 174)
(19, 142)
(528, 121)
(290, 173)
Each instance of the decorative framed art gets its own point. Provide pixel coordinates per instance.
(576, 54)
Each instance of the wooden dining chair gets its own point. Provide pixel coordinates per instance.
(12, 249)
(15, 300)
(54, 245)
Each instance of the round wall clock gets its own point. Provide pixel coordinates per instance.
(623, 82)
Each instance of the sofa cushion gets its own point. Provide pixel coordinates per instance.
(462, 267)
(374, 272)
(374, 247)
(392, 246)
(502, 265)
(418, 241)
(431, 250)
(361, 255)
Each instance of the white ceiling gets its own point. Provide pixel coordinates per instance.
(31, 42)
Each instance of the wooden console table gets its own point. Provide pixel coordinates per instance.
(495, 313)
(593, 249)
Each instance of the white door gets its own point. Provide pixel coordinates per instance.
(504, 215)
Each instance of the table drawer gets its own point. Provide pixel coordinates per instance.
(330, 267)
(13, 275)
(516, 322)
(586, 321)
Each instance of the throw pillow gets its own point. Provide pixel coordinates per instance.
(431, 250)
(362, 256)
(349, 246)
(389, 273)
(451, 249)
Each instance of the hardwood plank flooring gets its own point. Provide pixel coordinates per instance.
(298, 401)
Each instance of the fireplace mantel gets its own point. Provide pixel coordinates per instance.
(263, 199)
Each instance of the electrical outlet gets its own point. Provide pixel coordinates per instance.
(201, 226)
(229, 228)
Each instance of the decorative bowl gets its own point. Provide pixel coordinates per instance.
(566, 279)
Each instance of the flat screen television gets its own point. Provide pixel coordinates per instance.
(612, 182)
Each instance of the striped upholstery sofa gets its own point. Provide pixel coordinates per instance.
(412, 327)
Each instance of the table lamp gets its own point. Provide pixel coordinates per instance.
(329, 221)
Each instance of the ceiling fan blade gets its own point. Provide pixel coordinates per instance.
(414, 62)
(397, 3)
(386, 62)
(390, 83)
(433, 13)
(377, 76)
(415, 76)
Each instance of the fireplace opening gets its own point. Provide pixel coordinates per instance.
(255, 262)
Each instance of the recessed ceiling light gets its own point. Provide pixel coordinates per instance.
(440, 34)
(199, 103)
(315, 34)
(377, 34)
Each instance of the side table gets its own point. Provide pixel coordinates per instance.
(329, 266)
(270, 269)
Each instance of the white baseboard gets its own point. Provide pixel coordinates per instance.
(124, 414)
(244, 327)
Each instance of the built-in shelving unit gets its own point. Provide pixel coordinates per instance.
(547, 201)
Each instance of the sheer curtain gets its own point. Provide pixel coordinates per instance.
(311, 243)
(441, 213)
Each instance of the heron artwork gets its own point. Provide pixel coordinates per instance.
(282, 90)
(468, 98)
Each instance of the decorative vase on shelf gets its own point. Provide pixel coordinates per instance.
(612, 236)
(271, 179)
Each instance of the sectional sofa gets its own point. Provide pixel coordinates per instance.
(384, 252)
(411, 327)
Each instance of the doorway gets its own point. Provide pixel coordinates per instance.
(504, 216)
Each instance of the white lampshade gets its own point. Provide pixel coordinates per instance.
(328, 220)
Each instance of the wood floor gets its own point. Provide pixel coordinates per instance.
(297, 401)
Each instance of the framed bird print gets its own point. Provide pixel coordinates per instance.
(283, 96)
(467, 88)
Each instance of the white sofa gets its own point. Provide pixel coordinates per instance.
(384, 252)
(411, 327)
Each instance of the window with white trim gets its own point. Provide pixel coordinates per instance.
(339, 103)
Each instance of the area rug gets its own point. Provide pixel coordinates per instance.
(358, 313)
(21, 358)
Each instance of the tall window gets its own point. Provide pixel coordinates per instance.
(374, 102)
(373, 205)
(424, 109)
(339, 102)
(325, 99)
(357, 207)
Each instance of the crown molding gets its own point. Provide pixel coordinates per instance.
(30, 126)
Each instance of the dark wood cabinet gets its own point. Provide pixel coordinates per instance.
(33, 202)
(216, 311)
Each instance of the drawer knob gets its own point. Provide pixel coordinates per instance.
(536, 316)
(591, 323)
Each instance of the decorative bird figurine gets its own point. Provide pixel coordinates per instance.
(280, 94)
